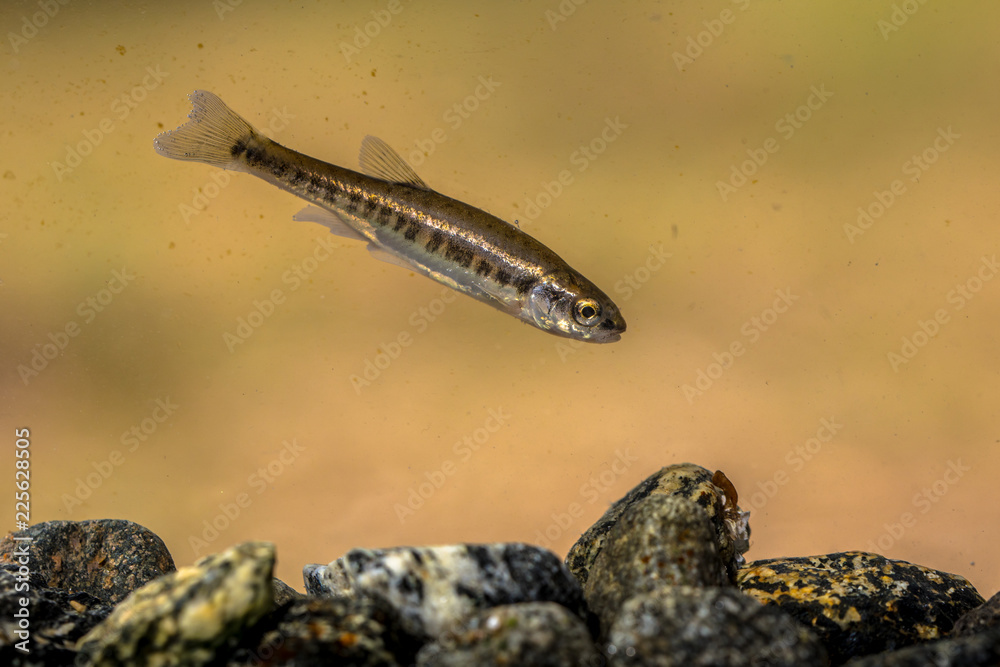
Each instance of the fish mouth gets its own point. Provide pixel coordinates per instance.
(610, 331)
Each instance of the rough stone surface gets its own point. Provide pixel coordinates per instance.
(57, 619)
(107, 558)
(708, 626)
(980, 619)
(684, 480)
(981, 650)
(283, 592)
(357, 632)
(860, 603)
(333, 579)
(540, 634)
(436, 588)
(184, 618)
(663, 541)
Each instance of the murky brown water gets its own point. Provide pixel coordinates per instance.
(716, 156)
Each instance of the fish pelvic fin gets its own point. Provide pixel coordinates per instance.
(210, 134)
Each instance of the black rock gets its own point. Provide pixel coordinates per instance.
(107, 558)
(860, 603)
(56, 620)
(982, 618)
(308, 632)
(979, 650)
(682, 625)
(283, 592)
(713, 492)
(539, 634)
(662, 541)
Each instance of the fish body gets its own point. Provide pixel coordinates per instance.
(407, 223)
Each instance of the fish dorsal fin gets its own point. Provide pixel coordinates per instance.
(378, 160)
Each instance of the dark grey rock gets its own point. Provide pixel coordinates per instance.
(714, 492)
(980, 619)
(978, 650)
(107, 558)
(436, 588)
(331, 580)
(686, 626)
(662, 541)
(536, 634)
(56, 619)
(860, 603)
(315, 632)
(283, 592)
(186, 617)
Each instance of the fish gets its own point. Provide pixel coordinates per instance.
(405, 222)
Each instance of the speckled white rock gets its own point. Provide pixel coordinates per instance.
(436, 588)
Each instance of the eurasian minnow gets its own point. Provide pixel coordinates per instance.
(407, 223)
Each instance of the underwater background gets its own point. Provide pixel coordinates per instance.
(794, 207)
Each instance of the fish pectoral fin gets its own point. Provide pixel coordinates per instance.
(332, 221)
(378, 160)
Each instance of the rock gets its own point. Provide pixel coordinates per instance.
(539, 634)
(980, 650)
(662, 541)
(715, 493)
(860, 603)
(684, 626)
(107, 558)
(186, 617)
(980, 619)
(283, 592)
(332, 580)
(56, 619)
(436, 588)
(357, 632)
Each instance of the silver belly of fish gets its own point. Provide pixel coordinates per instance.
(407, 223)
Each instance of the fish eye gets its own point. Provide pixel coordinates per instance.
(587, 312)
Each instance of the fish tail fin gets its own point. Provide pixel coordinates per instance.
(210, 135)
